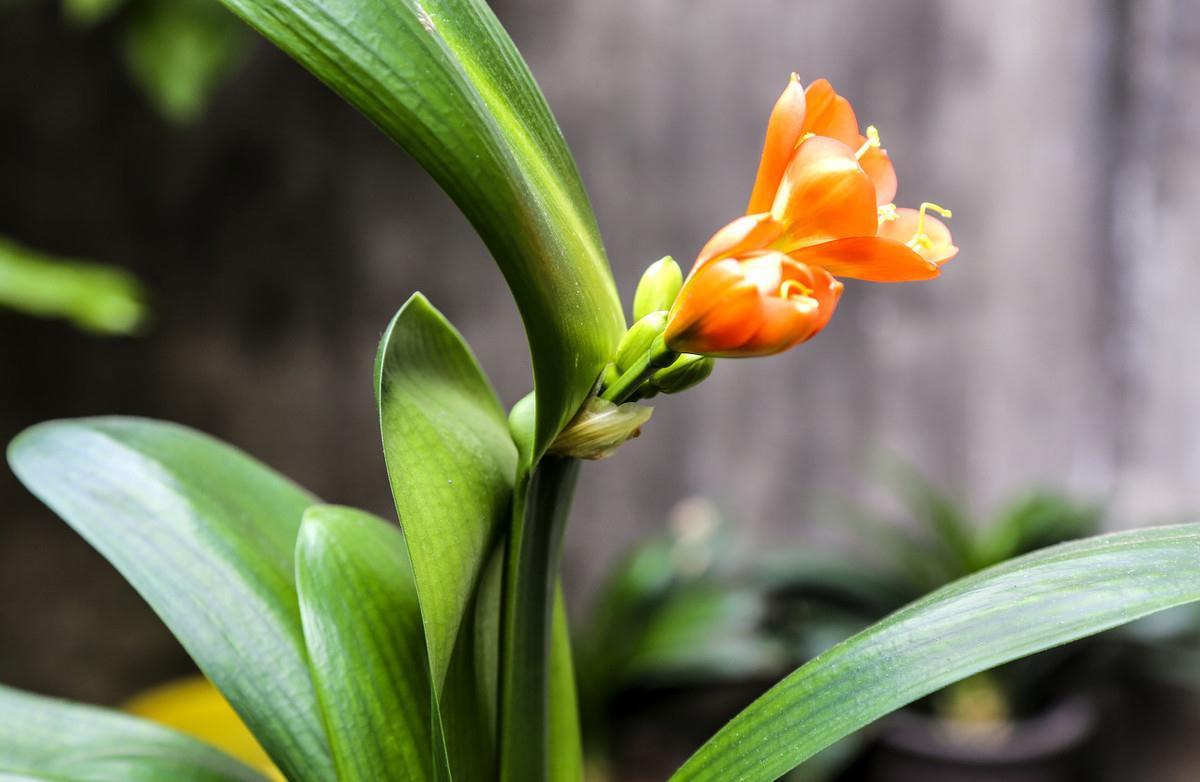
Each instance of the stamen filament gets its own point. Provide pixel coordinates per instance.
(920, 238)
(791, 288)
(872, 142)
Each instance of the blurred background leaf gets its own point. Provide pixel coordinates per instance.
(179, 52)
(102, 299)
(85, 13)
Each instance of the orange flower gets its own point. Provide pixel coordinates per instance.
(821, 207)
(754, 305)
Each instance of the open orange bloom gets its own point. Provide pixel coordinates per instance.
(821, 208)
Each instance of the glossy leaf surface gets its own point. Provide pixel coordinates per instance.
(48, 739)
(366, 644)
(207, 536)
(450, 461)
(443, 79)
(1023, 606)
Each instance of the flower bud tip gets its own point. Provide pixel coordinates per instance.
(658, 287)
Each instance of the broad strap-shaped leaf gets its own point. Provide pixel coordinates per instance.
(366, 644)
(1023, 606)
(207, 536)
(442, 78)
(48, 739)
(450, 462)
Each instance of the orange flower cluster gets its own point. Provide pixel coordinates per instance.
(821, 208)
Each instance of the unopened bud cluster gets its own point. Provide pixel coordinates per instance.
(656, 293)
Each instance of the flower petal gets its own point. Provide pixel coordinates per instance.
(784, 130)
(785, 323)
(878, 165)
(870, 258)
(749, 233)
(941, 245)
(829, 114)
(717, 310)
(825, 194)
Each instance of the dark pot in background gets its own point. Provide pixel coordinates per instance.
(1054, 746)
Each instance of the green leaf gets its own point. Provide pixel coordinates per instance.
(180, 51)
(98, 298)
(1032, 522)
(366, 644)
(85, 13)
(450, 462)
(703, 631)
(1023, 606)
(48, 739)
(443, 79)
(945, 519)
(207, 535)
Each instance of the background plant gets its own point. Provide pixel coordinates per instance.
(178, 52)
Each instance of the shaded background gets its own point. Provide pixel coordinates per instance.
(281, 232)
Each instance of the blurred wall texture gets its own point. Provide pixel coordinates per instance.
(281, 232)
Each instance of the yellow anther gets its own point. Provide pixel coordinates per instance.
(792, 289)
(803, 138)
(872, 142)
(888, 213)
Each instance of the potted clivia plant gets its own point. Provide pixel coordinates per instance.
(357, 650)
(1029, 720)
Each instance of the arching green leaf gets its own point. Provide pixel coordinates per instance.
(1012, 610)
(443, 79)
(207, 536)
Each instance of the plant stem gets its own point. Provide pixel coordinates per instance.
(657, 357)
(540, 512)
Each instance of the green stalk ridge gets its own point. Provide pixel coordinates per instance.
(540, 510)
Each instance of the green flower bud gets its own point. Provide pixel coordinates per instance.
(639, 338)
(609, 375)
(689, 370)
(658, 288)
